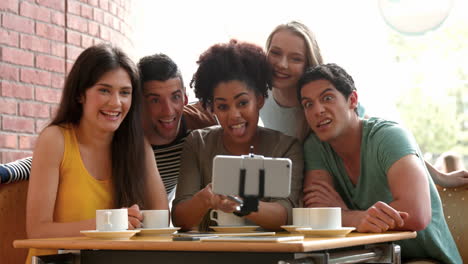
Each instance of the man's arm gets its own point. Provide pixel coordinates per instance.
(410, 209)
(409, 185)
(14, 171)
(197, 117)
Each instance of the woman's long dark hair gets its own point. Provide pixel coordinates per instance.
(127, 147)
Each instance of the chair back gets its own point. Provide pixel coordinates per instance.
(13, 221)
(455, 204)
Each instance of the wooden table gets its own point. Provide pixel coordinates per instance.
(144, 249)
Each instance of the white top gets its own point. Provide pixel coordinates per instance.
(280, 118)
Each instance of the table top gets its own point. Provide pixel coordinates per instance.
(165, 243)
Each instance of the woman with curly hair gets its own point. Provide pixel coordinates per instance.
(232, 80)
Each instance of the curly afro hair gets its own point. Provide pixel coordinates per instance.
(231, 61)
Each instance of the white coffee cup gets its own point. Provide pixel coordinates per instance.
(155, 218)
(112, 219)
(301, 217)
(318, 217)
(226, 219)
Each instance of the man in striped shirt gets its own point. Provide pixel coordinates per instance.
(167, 118)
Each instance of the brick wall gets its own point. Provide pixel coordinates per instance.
(39, 40)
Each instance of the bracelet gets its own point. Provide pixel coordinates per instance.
(241, 213)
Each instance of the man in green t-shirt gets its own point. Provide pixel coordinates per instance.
(372, 169)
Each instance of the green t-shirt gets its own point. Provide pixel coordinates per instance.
(384, 143)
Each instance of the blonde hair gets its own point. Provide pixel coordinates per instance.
(314, 57)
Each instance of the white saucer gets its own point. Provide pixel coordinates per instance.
(157, 231)
(292, 228)
(119, 235)
(338, 232)
(234, 229)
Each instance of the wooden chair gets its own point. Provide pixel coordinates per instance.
(455, 204)
(12, 221)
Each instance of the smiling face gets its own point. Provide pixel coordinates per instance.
(164, 105)
(237, 109)
(327, 111)
(107, 102)
(287, 55)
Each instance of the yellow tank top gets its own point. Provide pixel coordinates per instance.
(79, 194)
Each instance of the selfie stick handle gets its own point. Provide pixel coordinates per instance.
(250, 201)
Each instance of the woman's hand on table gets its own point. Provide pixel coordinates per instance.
(135, 217)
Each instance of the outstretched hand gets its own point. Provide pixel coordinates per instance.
(454, 179)
(381, 217)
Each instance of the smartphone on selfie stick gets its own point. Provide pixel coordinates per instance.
(251, 177)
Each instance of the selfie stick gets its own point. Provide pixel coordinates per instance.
(250, 203)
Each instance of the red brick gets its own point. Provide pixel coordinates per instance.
(104, 4)
(86, 41)
(104, 32)
(73, 7)
(34, 43)
(86, 11)
(93, 29)
(9, 5)
(41, 124)
(77, 23)
(18, 23)
(29, 109)
(35, 11)
(54, 109)
(113, 8)
(73, 37)
(7, 106)
(93, 2)
(73, 52)
(48, 95)
(57, 81)
(35, 77)
(8, 72)
(50, 63)
(69, 66)
(58, 50)
(18, 124)
(9, 37)
(17, 56)
(8, 141)
(57, 18)
(98, 15)
(50, 32)
(54, 4)
(27, 142)
(14, 155)
(117, 23)
(17, 90)
(108, 19)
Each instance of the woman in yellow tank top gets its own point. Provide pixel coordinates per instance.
(93, 155)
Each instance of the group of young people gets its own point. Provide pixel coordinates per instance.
(124, 136)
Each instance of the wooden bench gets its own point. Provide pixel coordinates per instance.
(455, 204)
(12, 221)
